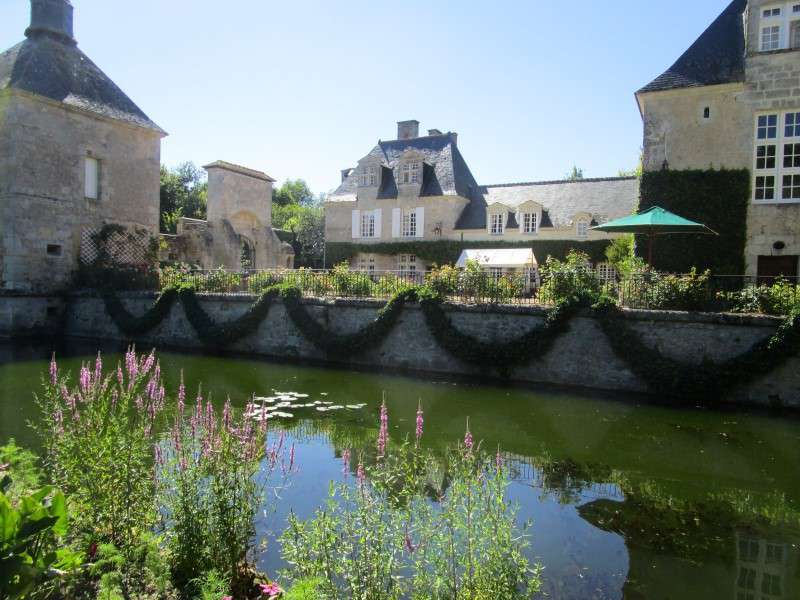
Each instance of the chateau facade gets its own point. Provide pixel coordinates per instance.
(419, 188)
(733, 101)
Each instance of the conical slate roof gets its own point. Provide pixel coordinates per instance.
(50, 66)
(716, 57)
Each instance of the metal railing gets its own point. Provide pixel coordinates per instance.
(648, 290)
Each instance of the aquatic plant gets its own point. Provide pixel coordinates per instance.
(408, 528)
(98, 437)
(213, 472)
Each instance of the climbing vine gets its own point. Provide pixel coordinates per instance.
(661, 373)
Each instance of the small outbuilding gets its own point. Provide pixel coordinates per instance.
(504, 261)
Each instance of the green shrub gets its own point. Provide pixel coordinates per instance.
(257, 283)
(384, 539)
(349, 283)
(657, 291)
(444, 280)
(32, 532)
(569, 278)
(305, 589)
(22, 467)
(780, 298)
(98, 448)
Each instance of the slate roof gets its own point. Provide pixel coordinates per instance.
(604, 199)
(717, 57)
(54, 68)
(444, 170)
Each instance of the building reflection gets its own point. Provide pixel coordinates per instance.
(763, 569)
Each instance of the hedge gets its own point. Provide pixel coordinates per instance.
(446, 252)
(718, 199)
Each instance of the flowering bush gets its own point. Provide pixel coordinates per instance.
(98, 438)
(411, 528)
(211, 485)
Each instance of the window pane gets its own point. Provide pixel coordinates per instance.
(792, 125)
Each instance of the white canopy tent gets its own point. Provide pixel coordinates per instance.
(520, 261)
(506, 258)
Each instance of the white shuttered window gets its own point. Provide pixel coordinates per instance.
(92, 180)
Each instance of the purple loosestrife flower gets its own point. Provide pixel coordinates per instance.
(181, 396)
(420, 422)
(159, 457)
(346, 463)
(226, 415)
(59, 421)
(468, 441)
(148, 362)
(131, 364)
(98, 368)
(120, 376)
(361, 475)
(85, 379)
(383, 432)
(53, 371)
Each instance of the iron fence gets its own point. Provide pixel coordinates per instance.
(648, 290)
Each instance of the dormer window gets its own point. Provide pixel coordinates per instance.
(409, 172)
(582, 229)
(529, 222)
(497, 224)
(368, 176)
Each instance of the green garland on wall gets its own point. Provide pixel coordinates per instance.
(345, 345)
(662, 374)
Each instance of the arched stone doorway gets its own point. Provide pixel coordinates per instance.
(247, 255)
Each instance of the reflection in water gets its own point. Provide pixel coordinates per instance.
(626, 501)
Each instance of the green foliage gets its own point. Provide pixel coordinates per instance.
(620, 251)
(575, 174)
(22, 468)
(706, 382)
(32, 530)
(780, 298)
(131, 325)
(184, 193)
(653, 290)
(446, 252)
(384, 539)
(293, 191)
(98, 443)
(211, 586)
(305, 589)
(718, 199)
(345, 345)
(211, 489)
(570, 278)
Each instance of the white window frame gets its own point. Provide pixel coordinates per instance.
(91, 184)
(794, 33)
(497, 223)
(582, 228)
(776, 23)
(776, 179)
(366, 263)
(530, 223)
(368, 224)
(409, 225)
(409, 172)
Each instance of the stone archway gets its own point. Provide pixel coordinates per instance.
(247, 253)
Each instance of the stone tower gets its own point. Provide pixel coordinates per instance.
(75, 154)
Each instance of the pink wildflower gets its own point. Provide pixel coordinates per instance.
(383, 432)
(59, 420)
(361, 476)
(53, 371)
(131, 365)
(148, 362)
(270, 590)
(85, 379)
(468, 441)
(346, 462)
(420, 422)
(181, 396)
(120, 376)
(227, 598)
(159, 457)
(226, 415)
(98, 367)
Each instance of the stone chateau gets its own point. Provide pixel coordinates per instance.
(733, 100)
(76, 154)
(419, 188)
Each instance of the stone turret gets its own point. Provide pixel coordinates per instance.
(52, 17)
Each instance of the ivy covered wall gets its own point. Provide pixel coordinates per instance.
(447, 252)
(718, 199)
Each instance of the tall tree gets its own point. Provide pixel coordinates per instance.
(293, 191)
(575, 174)
(184, 192)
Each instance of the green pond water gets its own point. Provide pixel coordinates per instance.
(628, 500)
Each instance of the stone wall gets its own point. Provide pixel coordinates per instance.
(43, 209)
(582, 357)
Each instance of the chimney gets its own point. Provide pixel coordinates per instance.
(407, 130)
(346, 173)
(434, 132)
(453, 137)
(52, 17)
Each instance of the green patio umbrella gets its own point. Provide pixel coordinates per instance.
(652, 222)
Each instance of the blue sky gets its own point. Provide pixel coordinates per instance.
(305, 88)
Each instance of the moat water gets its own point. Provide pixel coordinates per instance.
(627, 499)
